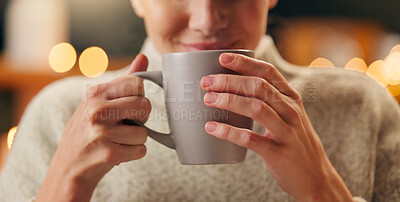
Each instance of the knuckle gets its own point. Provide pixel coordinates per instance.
(270, 69)
(223, 99)
(98, 114)
(260, 82)
(111, 156)
(130, 84)
(231, 132)
(243, 60)
(261, 87)
(267, 70)
(127, 85)
(258, 108)
(275, 96)
(225, 132)
(294, 113)
(291, 111)
(225, 84)
(138, 79)
(95, 136)
(296, 96)
(230, 99)
(135, 82)
(248, 139)
(139, 83)
(95, 90)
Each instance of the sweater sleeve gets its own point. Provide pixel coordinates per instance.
(387, 170)
(34, 145)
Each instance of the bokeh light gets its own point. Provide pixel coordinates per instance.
(393, 68)
(321, 62)
(62, 57)
(385, 72)
(377, 71)
(10, 136)
(93, 62)
(394, 90)
(356, 64)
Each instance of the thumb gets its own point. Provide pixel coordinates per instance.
(140, 63)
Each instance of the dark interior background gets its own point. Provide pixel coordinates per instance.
(385, 12)
(5, 96)
(2, 13)
(113, 25)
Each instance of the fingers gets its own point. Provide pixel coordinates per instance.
(127, 135)
(252, 86)
(140, 63)
(253, 67)
(124, 143)
(112, 112)
(239, 136)
(249, 107)
(243, 85)
(124, 86)
(118, 153)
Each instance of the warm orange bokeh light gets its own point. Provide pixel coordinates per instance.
(393, 68)
(394, 90)
(62, 57)
(93, 62)
(356, 64)
(322, 62)
(377, 71)
(10, 136)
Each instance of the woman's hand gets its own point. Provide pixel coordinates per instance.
(290, 148)
(95, 139)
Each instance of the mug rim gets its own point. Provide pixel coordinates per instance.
(209, 51)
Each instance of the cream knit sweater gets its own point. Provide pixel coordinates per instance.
(357, 121)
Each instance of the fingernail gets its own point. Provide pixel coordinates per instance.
(210, 126)
(207, 81)
(210, 97)
(227, 58)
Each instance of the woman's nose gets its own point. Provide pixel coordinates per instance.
(208, 17)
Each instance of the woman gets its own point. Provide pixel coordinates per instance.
(310, 126)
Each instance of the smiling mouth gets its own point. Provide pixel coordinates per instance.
(208, 46)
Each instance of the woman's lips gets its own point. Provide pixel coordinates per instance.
(207, 46)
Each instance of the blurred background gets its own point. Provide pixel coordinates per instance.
(359, 35)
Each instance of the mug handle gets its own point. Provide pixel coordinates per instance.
(165, 139)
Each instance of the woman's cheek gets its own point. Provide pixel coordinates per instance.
(163, 24)
(251, 17)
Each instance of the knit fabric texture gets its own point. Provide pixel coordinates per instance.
(357, 121)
